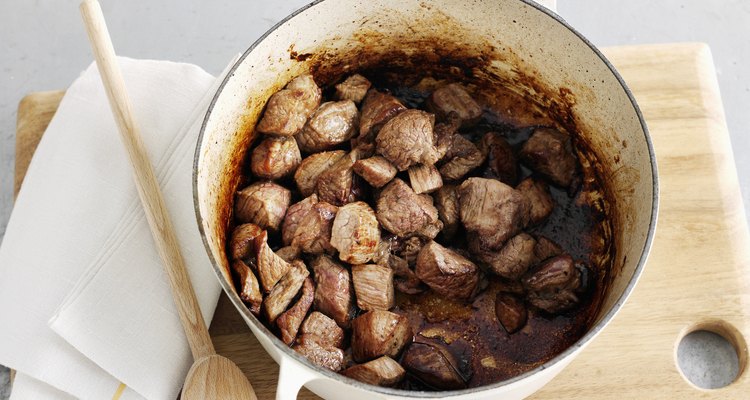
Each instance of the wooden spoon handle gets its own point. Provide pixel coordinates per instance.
(145, 181)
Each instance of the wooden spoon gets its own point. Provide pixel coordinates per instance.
(211, 376)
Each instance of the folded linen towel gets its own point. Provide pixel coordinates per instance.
(92, 312)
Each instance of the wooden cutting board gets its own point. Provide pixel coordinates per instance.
(698, 274)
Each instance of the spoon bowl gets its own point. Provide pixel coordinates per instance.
(216, 377)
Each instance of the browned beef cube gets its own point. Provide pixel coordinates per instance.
(354, 88)
(501, 160)
(290, 321)
(447, 272)
(377, 109)
(408, 139)
(271, 267)
(379, 333)
(287, 110)
(324, 329)
(403, 212)
(383, 371)
(405, 280)
(446, 202)
(454, 98)
(550, 153)
(463, 157)
(249, 289)
(539, 199)
(373, 286)
(410, 248)
(285, 290)
(376, 170)
(262, 203)
(333, 296)
(552, 286)
(433, 365)
(546, 249)
(333, 123)
(510, 311)
(313, 235)
(288, 253)
(513, 260)
(444, 133)
(294, 215)
(275, 157)
(355, 233)
(492, 210)
(308, 172)
(425, 178)
(241, 245)
(325, 356)
(336, 184)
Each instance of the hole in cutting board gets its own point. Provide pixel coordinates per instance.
(711, 355)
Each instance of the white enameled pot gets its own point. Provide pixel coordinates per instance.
(514, 43)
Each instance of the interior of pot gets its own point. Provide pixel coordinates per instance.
(503, 50)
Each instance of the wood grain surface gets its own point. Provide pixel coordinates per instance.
(698, 274)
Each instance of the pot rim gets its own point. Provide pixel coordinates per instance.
(579, 344)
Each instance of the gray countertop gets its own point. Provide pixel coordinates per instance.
(43, 46)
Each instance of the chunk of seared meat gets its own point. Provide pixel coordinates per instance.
(424, 178)
(433, 365)
(355, 233)
(446, 202)
(550, 153)
(501, 160)
(333, 292)
(336, 185)
(408, 139)
(308, 172)
(510, 311)
(373, 286)
(444, 133)
(379, 333)
(454, 98)
(462, 157)
(403, 212)
(275, 157)
(492, 210)
(410, 248)
(288, 253)
(383, 371)
(377, 109)
(285, 290)
(554, 285)
(313, 234)
(353, 88)
(447, 272)
(405, 279)
(539, 199)
(546, 249)
(332, 123)
(324, 329)
(287, 110)
(294, 215)
(376, 170)
(325, 356)
(290, 321)
(262, 203)
(513, 260)
(241, 245)
(271, 267)
(249, 288)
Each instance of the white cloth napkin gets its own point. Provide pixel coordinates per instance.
(86, 303)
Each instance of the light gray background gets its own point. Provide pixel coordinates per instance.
(43, 46)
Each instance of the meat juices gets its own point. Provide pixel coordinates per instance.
(402, 249)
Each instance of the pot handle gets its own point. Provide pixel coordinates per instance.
(292, 376)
